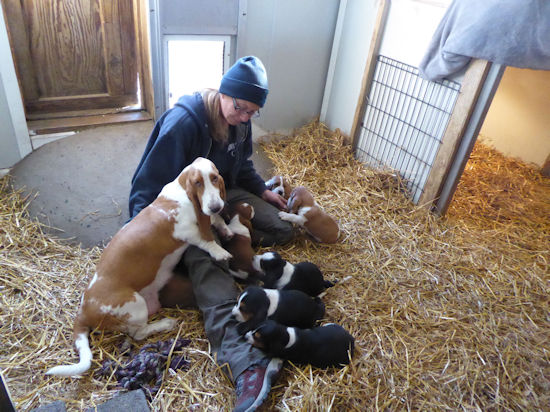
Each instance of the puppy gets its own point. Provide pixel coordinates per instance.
(305, 212)
(289, 307)
(280, 274)
(324, 346)
(238, 219)
(278, 184)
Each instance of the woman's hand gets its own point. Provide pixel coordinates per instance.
(275, 199)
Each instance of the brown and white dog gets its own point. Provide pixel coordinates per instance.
(304, 211)
(278, 184)
(238, 219)
(139, 259)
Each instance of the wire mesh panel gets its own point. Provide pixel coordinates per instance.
(404, 122)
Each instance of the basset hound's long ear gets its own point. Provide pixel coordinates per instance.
(248, 225)
(221, 185)
(286, 189)
(187, 181)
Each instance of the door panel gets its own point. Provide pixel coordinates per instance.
(74, 54)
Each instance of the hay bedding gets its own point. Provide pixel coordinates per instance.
(447, 314)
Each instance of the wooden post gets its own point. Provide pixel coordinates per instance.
(368, 74)
(469, 92)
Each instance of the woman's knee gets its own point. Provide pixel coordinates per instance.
(285, 234)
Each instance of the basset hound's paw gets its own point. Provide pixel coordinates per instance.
(220, 254)
(226, 233)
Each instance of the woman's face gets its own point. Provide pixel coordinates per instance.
(237, 111)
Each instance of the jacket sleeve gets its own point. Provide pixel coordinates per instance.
(164, 158)
(247, 177)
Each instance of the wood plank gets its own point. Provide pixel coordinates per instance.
(19, 41)
(471, 86)
(78, 113)
(110, 26)
(80, 103)
(75, 123)
(368, 74)
(66, 47)
(128, 41)
(141, 11)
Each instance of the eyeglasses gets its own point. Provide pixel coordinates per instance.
(251, 113)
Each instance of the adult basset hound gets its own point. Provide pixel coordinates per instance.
(139, 259)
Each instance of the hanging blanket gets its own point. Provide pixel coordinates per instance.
(508, 32)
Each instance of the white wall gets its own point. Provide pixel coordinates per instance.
(294, 40)
(14, 136)
(349, 56)
(518, 121)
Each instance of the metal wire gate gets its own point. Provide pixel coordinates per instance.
(404, 122)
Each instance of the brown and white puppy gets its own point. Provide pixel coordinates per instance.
(278, 184)
(140, 258)
(304, 211)
(289, 307)
(238, 218)
(323, 346)
(277, 273)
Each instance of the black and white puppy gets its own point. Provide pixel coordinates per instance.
(322, 346)
(280, 274)
(289, 307)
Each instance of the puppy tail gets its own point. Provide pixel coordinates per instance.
(84, 354)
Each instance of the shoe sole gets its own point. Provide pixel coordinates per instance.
(273, 368)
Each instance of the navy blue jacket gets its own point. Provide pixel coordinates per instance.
(179, 137)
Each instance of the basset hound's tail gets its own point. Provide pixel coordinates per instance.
(84, 353)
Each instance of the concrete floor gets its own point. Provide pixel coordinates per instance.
(79, 185)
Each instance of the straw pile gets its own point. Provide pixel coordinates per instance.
(447, 314)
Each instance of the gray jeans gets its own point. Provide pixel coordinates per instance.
(216, 292)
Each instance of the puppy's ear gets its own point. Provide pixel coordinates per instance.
(294, 203)
(275, 347)
(190, 182)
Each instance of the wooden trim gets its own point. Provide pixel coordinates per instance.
(75, 123)
(460, 117)
(87, 102)
(368, 74)
(80, 113)
(141, 11)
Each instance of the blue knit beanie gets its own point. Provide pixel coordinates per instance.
(246, 80)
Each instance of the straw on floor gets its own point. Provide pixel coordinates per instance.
(448, 314)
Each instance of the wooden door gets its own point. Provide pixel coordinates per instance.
(74, 55)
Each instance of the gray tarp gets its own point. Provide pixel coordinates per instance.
(509, 32)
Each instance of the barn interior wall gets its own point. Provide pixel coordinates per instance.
(410, 26)
(349, 55)
(15, 142)
(518, 121)
(294, 40)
